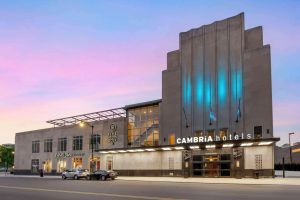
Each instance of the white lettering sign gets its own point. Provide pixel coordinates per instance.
(211, 139)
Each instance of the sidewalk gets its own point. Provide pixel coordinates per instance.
(246, 181)
(243, 181)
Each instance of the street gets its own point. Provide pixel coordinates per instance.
(16, 188)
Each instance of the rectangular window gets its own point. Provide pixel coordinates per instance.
(77, 143)
(257, 132)
(77, 162)
(62, 144)
(143, 126)
(172, 139)
(61, 165)
(35, 165)
(36, 146)
(48, 145)
(95, 141)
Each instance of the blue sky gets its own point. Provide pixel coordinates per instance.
(82, 56)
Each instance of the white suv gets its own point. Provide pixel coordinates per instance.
(75, 174)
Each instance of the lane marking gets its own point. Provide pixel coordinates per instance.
(88, 193)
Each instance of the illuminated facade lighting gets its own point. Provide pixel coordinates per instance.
(210, 146)
(103, 152)
(122, 151)
(166, 148)
(264, 143)
(139, 150)
(112, 152)
(131, 150)
(194, 147)
(246, 144)
(227, 145)
(179, 148)
(150, 149)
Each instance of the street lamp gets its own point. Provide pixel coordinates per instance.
(82, 124)
(290, 147)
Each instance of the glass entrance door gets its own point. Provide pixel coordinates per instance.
(211, 166)
(216, 165)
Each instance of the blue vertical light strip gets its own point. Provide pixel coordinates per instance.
(199, 89)
(222, 85)
(189, 90)
(207, 94)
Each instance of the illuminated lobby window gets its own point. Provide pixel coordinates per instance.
(77, 162)
(61, 165)
(47, 165)
(223, 132)
(172, 139)
(143, 126)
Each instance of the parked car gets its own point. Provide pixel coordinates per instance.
(74, 174)
(102, 175)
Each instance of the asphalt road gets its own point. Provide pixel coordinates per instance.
(16, 188)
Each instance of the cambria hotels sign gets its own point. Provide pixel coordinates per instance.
(202, 139)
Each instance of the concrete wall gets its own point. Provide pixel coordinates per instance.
(143, 161)
(267, 153)
(171, 95)
(258, 88)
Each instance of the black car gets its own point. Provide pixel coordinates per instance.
(102, 175)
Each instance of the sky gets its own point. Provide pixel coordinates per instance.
(63, 58)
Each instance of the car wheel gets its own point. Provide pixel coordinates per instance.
(97, 177)
(76, 177)
(113, 178)
(64, 177)
(103, 178)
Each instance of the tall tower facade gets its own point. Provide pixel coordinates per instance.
(218, 83)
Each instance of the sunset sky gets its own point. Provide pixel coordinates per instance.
(63, 58)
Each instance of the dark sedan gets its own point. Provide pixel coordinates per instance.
(102, 175)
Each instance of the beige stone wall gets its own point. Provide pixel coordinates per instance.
(143, 160)
(267, 153)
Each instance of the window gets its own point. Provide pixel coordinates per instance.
(172, 139)
(61, 165)
(62, 144)
(35, 165)
(96, 141)
(36, 146)
(77, 143)
(257, 132)
(48, 145)
(47, 166)
(77, 162)
(143, 126)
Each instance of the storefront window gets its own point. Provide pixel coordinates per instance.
(47, 166)
(61, 165)
(77, 143)
(48, 145)
(35, 165)
(77, 162)
(62, 144)
(143, 126)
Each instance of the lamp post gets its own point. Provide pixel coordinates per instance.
(291, 159)
(82, 123)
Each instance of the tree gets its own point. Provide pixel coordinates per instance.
(6, 157)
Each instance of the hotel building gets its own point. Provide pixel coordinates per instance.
(214, 118)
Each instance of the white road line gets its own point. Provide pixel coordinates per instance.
(88, 193)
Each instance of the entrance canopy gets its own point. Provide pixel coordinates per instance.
(90, 117)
